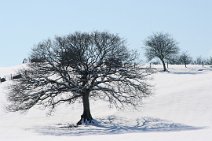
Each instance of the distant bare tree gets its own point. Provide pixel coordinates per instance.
(209, 61)
(175, 60)
(185, 59)
(25, 61)
(161, 46)
(78, 67)
(200, 61)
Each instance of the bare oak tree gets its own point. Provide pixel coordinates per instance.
(78, 67)
(161, 46)
(185, 59)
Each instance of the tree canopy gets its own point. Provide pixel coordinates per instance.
(162, 46)
(78, 67)
(185, 58)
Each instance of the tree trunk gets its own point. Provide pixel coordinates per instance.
(86, 117)
(164, 65)
(185, 65)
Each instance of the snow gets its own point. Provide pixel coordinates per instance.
(7, 72)
(180, 109)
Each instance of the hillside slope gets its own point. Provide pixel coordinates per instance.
(180, 109)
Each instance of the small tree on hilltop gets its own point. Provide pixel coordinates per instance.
(161, 46)
(185, 59)
(200, 61)
(174, 60)
(209, 61)
(78, 67)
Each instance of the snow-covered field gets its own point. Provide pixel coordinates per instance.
(179, 110)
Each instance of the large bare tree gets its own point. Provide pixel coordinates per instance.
(162, 46)
(78, 67)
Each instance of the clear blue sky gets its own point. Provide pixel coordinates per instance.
(24, 23)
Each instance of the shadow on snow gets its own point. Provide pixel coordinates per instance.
(114, 125)
(192, 72)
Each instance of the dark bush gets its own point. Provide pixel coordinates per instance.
(2, 79)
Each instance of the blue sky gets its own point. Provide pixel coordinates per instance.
(24, 23)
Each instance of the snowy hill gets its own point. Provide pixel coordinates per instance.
(179, 110)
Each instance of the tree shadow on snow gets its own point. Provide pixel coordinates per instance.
(114, 125)
(191, 71)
